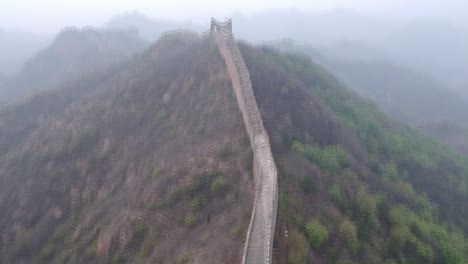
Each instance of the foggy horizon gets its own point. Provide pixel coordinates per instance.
(54, 15)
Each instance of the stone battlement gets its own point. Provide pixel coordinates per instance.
(259, 240)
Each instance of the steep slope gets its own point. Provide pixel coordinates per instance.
(151, 165)
(73, 54)
(404, 94)
(354, 187)
(411, 97)
(451, 134)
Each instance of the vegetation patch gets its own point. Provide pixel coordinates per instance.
(317, 234)
(330, 158)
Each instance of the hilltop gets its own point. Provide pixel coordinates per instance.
(150, 162)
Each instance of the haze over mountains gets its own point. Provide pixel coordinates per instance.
(431, 46)
(120, 144)
(149, 28)
(423, 61)
(17, 47)
(73, 54)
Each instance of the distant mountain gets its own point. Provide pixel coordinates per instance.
(351, 51)
(73, 54)
(433, 47)
(322, 27)
(17, 47)
(149, 29)
(413, 98)
(406, 95)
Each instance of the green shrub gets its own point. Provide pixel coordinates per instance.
(453, 249)
(330, 158)
(367, 218)
(298, 249)
(335, 194)
(308, 185)
(230, 198)
(217, 185)
(237, 229)
(317, 233)
(313, 153)
(225, 151)
(152, 238)
(390, 172)
(349, 232)
(91, 250)
(153, 172)
(298, 147)
(46, 254)
(198, 201)
(183, 258)
(201, 161)
(424, 253)
(190, 220)
(399, 236)
(139, 233)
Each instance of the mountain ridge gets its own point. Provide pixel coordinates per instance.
(150, 162)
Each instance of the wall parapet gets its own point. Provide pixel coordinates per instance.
(259, 241)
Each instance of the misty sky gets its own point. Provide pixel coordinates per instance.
(49, 16)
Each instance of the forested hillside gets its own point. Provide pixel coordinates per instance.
(148, 162)
(410, 97)
(355, 187)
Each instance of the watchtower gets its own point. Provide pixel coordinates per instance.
(225, 26)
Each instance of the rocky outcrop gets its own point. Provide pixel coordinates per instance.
(259, 242)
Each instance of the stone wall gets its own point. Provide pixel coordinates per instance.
(259, 241)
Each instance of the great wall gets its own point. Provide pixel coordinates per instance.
(259, 240)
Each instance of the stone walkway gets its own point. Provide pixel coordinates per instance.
(259, 241)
